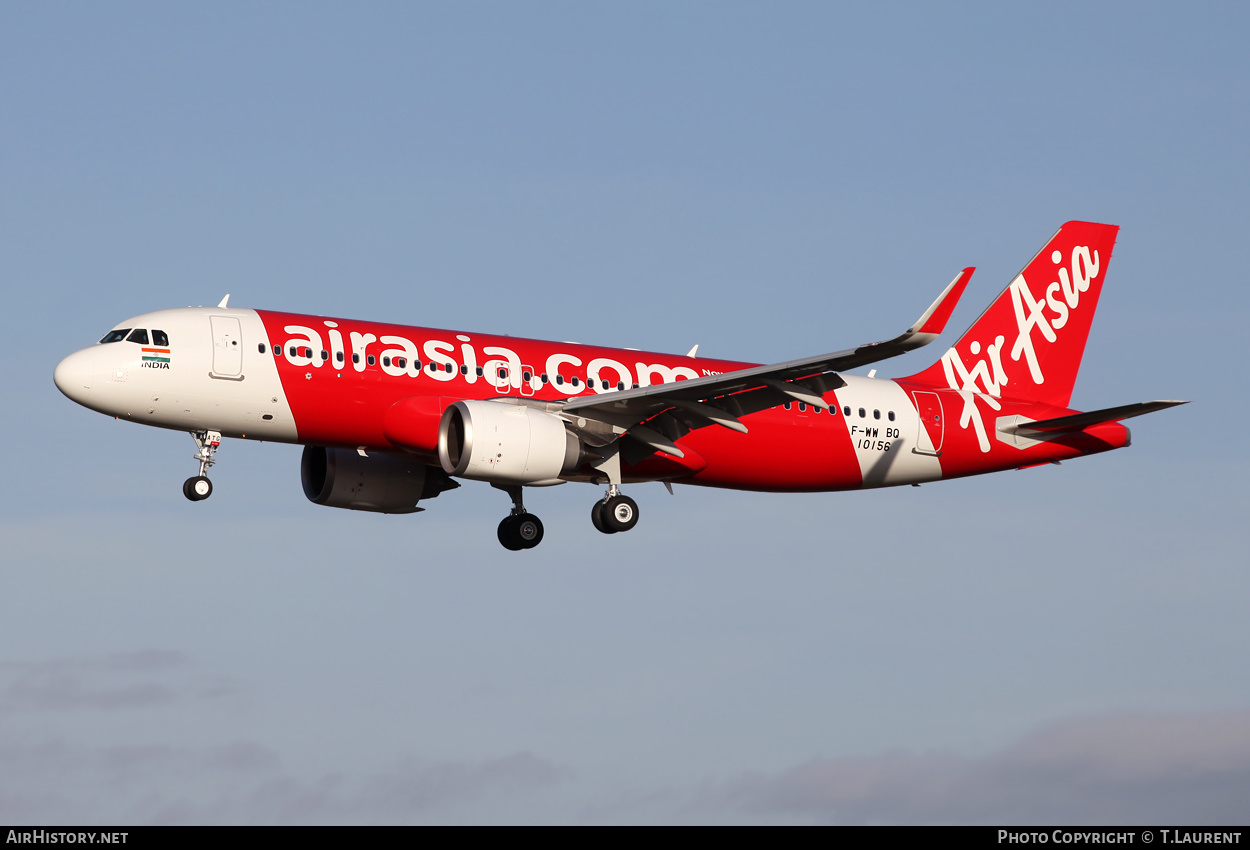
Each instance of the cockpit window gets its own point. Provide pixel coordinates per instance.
(139, 335)
(160, 338)
(115, 336)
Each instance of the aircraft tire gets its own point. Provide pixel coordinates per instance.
(509, 536)
(197, 489)
(620, 513)
(529, 530)
(596, 516)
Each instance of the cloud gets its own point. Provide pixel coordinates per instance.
(125, 680)
(58, 781)
(1147, 769)
(413, 786)
(410, 790)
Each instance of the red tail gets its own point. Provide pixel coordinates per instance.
(1028, 344)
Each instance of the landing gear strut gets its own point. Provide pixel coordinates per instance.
(615, 512)
(199, 487)
(520, 529)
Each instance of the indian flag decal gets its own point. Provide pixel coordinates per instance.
(156, 355)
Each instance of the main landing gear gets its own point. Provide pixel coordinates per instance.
(520, 529)
(615, 512)
(199, 487)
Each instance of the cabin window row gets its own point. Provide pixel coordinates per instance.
(401, 362)
(846, 411)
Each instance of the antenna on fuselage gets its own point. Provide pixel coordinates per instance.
(222, 305)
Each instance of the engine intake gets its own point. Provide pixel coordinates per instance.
(506, 443)
(388, 484)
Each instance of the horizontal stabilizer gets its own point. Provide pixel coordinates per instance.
(1079, 421)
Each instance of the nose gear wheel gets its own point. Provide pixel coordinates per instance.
(199, 488)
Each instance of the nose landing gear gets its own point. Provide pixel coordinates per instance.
(520, 529)
(199, 487)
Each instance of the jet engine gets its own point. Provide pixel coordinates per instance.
(506, 443)
(388, 484)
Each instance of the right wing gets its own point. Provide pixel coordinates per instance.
(722, 399)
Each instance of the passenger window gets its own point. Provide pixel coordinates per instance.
(543, 377)
(802, 407)
(574, 380)
(159, 338)
(386, 361)
(401, 362)
(115, 336)
(479, 371)
(325, 355)
(620, 385)
(527, 377)
(355, 357)
(416, 364)
(138, 335)
(846, 411)
(861, 413)
(338, 355)
(371, 359)
(787, 405)
(559, 380)
(261, 348)
(464, 370)
(292, 351)
(876, 414)
(503, 373)
(891, 415)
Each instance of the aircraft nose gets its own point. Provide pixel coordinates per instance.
(73, 375)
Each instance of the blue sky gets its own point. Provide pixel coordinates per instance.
(1062, 644)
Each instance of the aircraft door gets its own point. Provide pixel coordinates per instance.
(931, 426)
(529, 381)
(503, 379)
(227, 348)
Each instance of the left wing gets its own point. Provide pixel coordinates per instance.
(722, 399)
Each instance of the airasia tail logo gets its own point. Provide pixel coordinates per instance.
(1044, 317)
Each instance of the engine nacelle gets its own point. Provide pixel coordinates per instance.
(388, 484)
(506, 443)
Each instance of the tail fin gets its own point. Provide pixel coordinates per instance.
(1028, 343)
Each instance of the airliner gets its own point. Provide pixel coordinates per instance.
(393, 415)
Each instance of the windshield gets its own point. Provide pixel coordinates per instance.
(115, 336)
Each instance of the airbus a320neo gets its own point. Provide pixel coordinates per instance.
(390, 415)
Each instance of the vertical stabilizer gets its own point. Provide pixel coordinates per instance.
(1028, 343)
